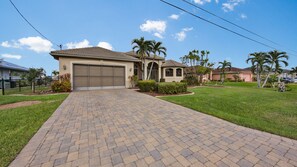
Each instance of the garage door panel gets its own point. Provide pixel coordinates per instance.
(95, 82)
(119, 71)
(95, 71)
(81, 70)
(81, 81)
(107, 71)
(107, 81)
(119, 81)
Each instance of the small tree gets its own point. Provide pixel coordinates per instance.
(223, 66)
(33, 74)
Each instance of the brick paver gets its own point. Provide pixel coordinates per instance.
(126, 128)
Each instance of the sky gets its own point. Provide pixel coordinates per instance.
(113, 24)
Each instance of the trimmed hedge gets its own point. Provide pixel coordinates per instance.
(172, 88)
(147, 85)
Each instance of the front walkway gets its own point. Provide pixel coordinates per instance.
(126, 128)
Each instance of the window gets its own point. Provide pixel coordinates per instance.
(135, 69)
(179, 72)
(169, 72)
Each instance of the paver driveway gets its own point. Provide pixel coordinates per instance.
(126, 128)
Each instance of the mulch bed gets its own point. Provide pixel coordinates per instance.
(18, 104)
(154, 94)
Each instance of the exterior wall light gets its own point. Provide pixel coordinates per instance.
(64, 67)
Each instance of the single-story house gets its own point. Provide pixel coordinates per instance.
(98, 68)
(10, 72)
(244, 74)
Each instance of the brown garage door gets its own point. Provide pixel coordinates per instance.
(89, 77)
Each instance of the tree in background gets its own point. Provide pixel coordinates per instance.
(294, 71)
(258, 60)
(33, 74)
(204, 66)
(156, 48)
(274, 59)
(223, 66)
(143, 49)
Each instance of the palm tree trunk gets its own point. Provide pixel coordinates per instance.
(151, 68)
(258, 77)
(266, 79)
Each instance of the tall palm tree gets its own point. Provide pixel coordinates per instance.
(258, 60)
(191, 59)
(142, 48)
(156, 48)
(274, 59)
(223, 66)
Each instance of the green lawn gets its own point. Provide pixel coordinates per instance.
(263, 109)
(25, 90)
(18, 125)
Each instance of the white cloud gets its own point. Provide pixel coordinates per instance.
(243, 16)
(158, 35)
(83, 44)
(105, 45)
(37, 44)
(157, 28)
(217, 1)
(7, 44)
(174, 16)
(11, 56)
(231, 4)
(202, 2)
(181, 36)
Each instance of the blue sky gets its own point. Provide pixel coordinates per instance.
(113, 24)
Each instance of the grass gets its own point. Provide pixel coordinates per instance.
(246, 105)
(18, 125)
(24, 90)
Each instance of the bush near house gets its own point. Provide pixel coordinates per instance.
(63, 85)
(172, 88)
(147, 85)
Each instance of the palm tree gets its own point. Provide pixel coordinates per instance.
(191, 59)
(156, 48)
(274, 59)
(223, 66)
(258, 60)
(294, 71)
(143, 49)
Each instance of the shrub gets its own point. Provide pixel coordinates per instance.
(63, 85)
(191, 80)
(172, 88)
(147, 85)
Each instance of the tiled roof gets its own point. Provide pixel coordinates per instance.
(172, 63)
(93, 53)
(133, 54)
(11, 66)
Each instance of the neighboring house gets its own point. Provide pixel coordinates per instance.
(245, 74)
(286, 74)
(99, 68)
(10, 72)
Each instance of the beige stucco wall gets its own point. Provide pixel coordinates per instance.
(68, 62)
(174, 77)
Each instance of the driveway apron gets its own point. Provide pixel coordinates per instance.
(127, 128)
